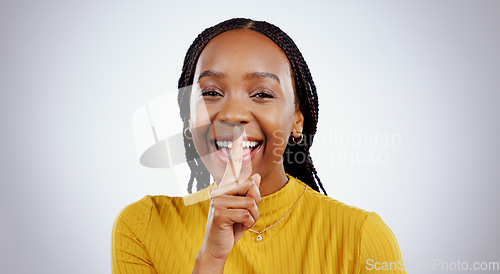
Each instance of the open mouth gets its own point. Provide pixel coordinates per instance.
(223, 148)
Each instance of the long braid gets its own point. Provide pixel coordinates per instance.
(304, 87)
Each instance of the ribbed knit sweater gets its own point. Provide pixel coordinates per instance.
(159, 234)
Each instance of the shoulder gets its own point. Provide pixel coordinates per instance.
(379, 249)
(361, 231)
(334, 210)
(378, 240)
(138, 215)
(143, 229)
(143, 212)
(367, 224)
(147, 205)
(363, 223)
(150, 205)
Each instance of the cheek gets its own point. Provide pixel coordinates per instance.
(278, 140)
(200, 123)
(278, 130)
(199, 140)
(199, 114)
(278, 146)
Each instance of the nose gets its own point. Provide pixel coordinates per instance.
(234, 111)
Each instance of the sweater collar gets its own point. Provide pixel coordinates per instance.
(275, 205)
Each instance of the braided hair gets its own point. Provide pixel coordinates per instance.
(305, 93)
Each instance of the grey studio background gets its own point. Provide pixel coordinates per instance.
(409, 126)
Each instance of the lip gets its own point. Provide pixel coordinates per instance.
(247, 158)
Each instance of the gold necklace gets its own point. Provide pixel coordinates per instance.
(259, 236)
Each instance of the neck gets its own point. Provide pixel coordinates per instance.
(273, 181)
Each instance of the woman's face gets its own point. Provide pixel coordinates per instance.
(242, 78)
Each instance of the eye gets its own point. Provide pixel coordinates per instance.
(263, 95)
(209, 94)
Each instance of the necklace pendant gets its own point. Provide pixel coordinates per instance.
(259, 238)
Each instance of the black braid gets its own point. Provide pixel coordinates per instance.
(299, 167)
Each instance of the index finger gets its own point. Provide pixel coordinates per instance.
(235, 161)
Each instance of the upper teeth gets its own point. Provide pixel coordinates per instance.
(229, 144)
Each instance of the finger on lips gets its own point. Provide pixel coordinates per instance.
(234, 198)
(235, 161)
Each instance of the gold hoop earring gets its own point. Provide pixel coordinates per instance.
(185, 131)
(299, 141)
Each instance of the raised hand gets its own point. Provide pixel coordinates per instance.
(233, 210)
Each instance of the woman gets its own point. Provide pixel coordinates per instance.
(250, 111)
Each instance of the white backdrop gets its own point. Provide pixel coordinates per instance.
(408, 128)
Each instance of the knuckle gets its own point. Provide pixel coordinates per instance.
(249, 202)
(246, 215)
(217, 203)
(218, 214)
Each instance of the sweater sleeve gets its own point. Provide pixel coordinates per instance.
(379, 251)
(128, 252)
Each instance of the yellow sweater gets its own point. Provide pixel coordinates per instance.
(159, 234)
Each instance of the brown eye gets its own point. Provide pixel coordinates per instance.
(263, 95)
(210, 93)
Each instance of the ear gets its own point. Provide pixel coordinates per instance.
(298, 122)
(190, 127)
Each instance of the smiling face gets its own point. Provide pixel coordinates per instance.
(242, 78)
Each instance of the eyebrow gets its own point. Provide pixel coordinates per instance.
(260, 74)
(252, 75)
(212, 73)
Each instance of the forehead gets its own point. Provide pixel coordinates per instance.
(241, 51)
